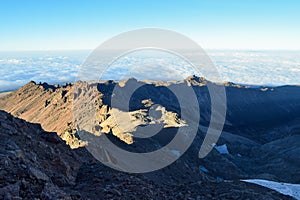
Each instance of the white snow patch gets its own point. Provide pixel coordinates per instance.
(202, 168)
(283, 188)
(222, 149)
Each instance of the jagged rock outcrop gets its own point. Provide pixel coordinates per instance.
(123, 130)
(51, 106)
(48, 105)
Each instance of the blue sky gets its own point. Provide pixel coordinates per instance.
(214, 24)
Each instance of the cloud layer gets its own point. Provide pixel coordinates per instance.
(258, 67)
(246, 67)
(17, 71)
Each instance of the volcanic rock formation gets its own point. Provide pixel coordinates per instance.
(260, 139)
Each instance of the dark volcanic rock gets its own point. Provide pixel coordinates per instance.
(33, 161)
(36, 167)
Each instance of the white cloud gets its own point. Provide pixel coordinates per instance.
(258, 67)
(15, 72)
(247, 67)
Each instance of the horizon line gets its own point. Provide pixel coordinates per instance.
(205, 49)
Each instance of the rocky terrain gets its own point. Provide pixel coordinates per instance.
(48, 105)
(261, 140)
(36, 164)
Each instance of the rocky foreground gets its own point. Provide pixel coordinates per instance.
(36, 164)
(46, 160)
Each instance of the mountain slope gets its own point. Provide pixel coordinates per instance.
(261, 132)
(37, 164)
